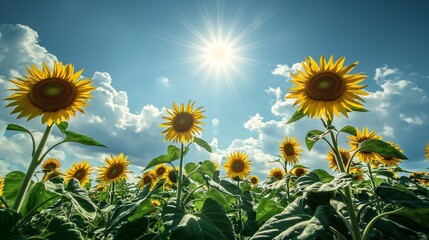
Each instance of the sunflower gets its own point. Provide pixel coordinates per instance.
(357, 173)
(183, 123)
(389, 161)
(155, 202)
(115, 170)
(417, 176)
(254, 180)
(299, 171)
(160, 170)
(172, 175)
(427, 151)
(363, 156)
(277, 173)
(148, 177)
(80, 171)
(345, 157)
(52, 174)
(327, 89)
(50, 164)
(55, 94)
(1, 186)
(237, 165)
(290, 150)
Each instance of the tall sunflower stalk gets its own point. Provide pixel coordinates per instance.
(182, 125)
(53, 95)
(326, 90)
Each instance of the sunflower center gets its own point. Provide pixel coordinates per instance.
(172, 176)
(52, 94)
(183, 122)
(79, 174)
(299, 172)
(115, 171)
(344, 158)
(289, 150)
(237, 166)
(147, 180)
(254, 180)
(278, 175)
(160, 171)
(50, 166)
(325, 86)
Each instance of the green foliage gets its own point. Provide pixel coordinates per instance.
(382, 148)
(296, 116)
(202, 143)
(61, 228)
(400, 197)
(12, 183)
(173, 153)
(9, 224)
(350, 130)
(79, 138)
(206, 167)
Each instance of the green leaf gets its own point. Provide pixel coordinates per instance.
(63, 126)
(202, 143)
(63, 229)
(132, 230)
(143, 209)
(211, 224)
(82, 139)
(350, 130)
(323, 175)
(173, 152)
(36, 196)
(296, 116)
(400, 197)
(14, 127)
(357, 109)
(213, 194)
(207, 167)
(9, 224)
(266, 209)
(418, 215)
(340, 181)
(312, 137)
(12, 184)
(382, 148)
(216, 185)
(293, 223)
(230, 187)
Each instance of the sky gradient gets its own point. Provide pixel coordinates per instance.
(144, 55)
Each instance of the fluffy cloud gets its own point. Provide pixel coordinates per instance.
(382, 73)
(284, 70)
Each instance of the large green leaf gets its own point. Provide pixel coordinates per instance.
(82, 139)
(213, 194)
(211, 224)
(207, 167)
(350, 130)
(296, 116)
(312, 137)
(63, 126)
(323, 175)
(9, 224)
(132, 230)
(382, 148)
(340, 181)
(143, 209)
(60, 228)
(401, 197)
(293, 223)
(266, 209)
(15, 127)
(230, 187)
(173, 153)
(12, 184)
(36, 196)
(202, 143)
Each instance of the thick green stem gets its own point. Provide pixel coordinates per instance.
(112, 192)
(35, 161)
(239, 213)
(372, 222)
(287, 182)
(374, 186)
(4, 202)
(179, 180)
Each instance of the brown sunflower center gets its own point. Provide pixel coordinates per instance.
(289, 149)
(325, 86)
(278, 175)
(183, 122)
(52, 94)
(160, 171)
(172, 176)
(79, 174)
(299, 172)
(237, 165)
(50, 166)
(344, 158)
(254, 180)
(147, 179)
(114, 171)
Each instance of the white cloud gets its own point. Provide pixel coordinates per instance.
(284, 70)
(165, 82)
(382, 73)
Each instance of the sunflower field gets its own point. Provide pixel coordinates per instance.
(367, 195)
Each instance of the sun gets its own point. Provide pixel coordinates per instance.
(220, 55)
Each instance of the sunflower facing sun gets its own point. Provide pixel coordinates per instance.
(115, 170)
(54, 95)
(150, 178)
(290, 150)
(183, 123)
(80, 171)
(254, 180)
(277, 173)
(50, 164)
(325, 89)
(237, 166)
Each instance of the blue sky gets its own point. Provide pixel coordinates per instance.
(142, 57)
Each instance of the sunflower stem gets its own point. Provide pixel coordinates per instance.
(179, 181)
(35, 161)
(239, 212)
(374, 186)
(372, 222)
(287, 182)
(4, 202)
(112, 192)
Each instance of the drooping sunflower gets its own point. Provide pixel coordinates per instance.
(54, 95)
(327, 88)
(277, 173)
(299, 171)
(52, 174)
(80, 171)
(363, 156)
(389, 161)
(183, 123)
(172, 176)
(150, 178)
(160, 171)
(427, 151)
(1, 186)
(115, 170)
(345, 157)
(290, 150)
(254, 180)
(237, 165)
(50, 164)
(357, 173)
